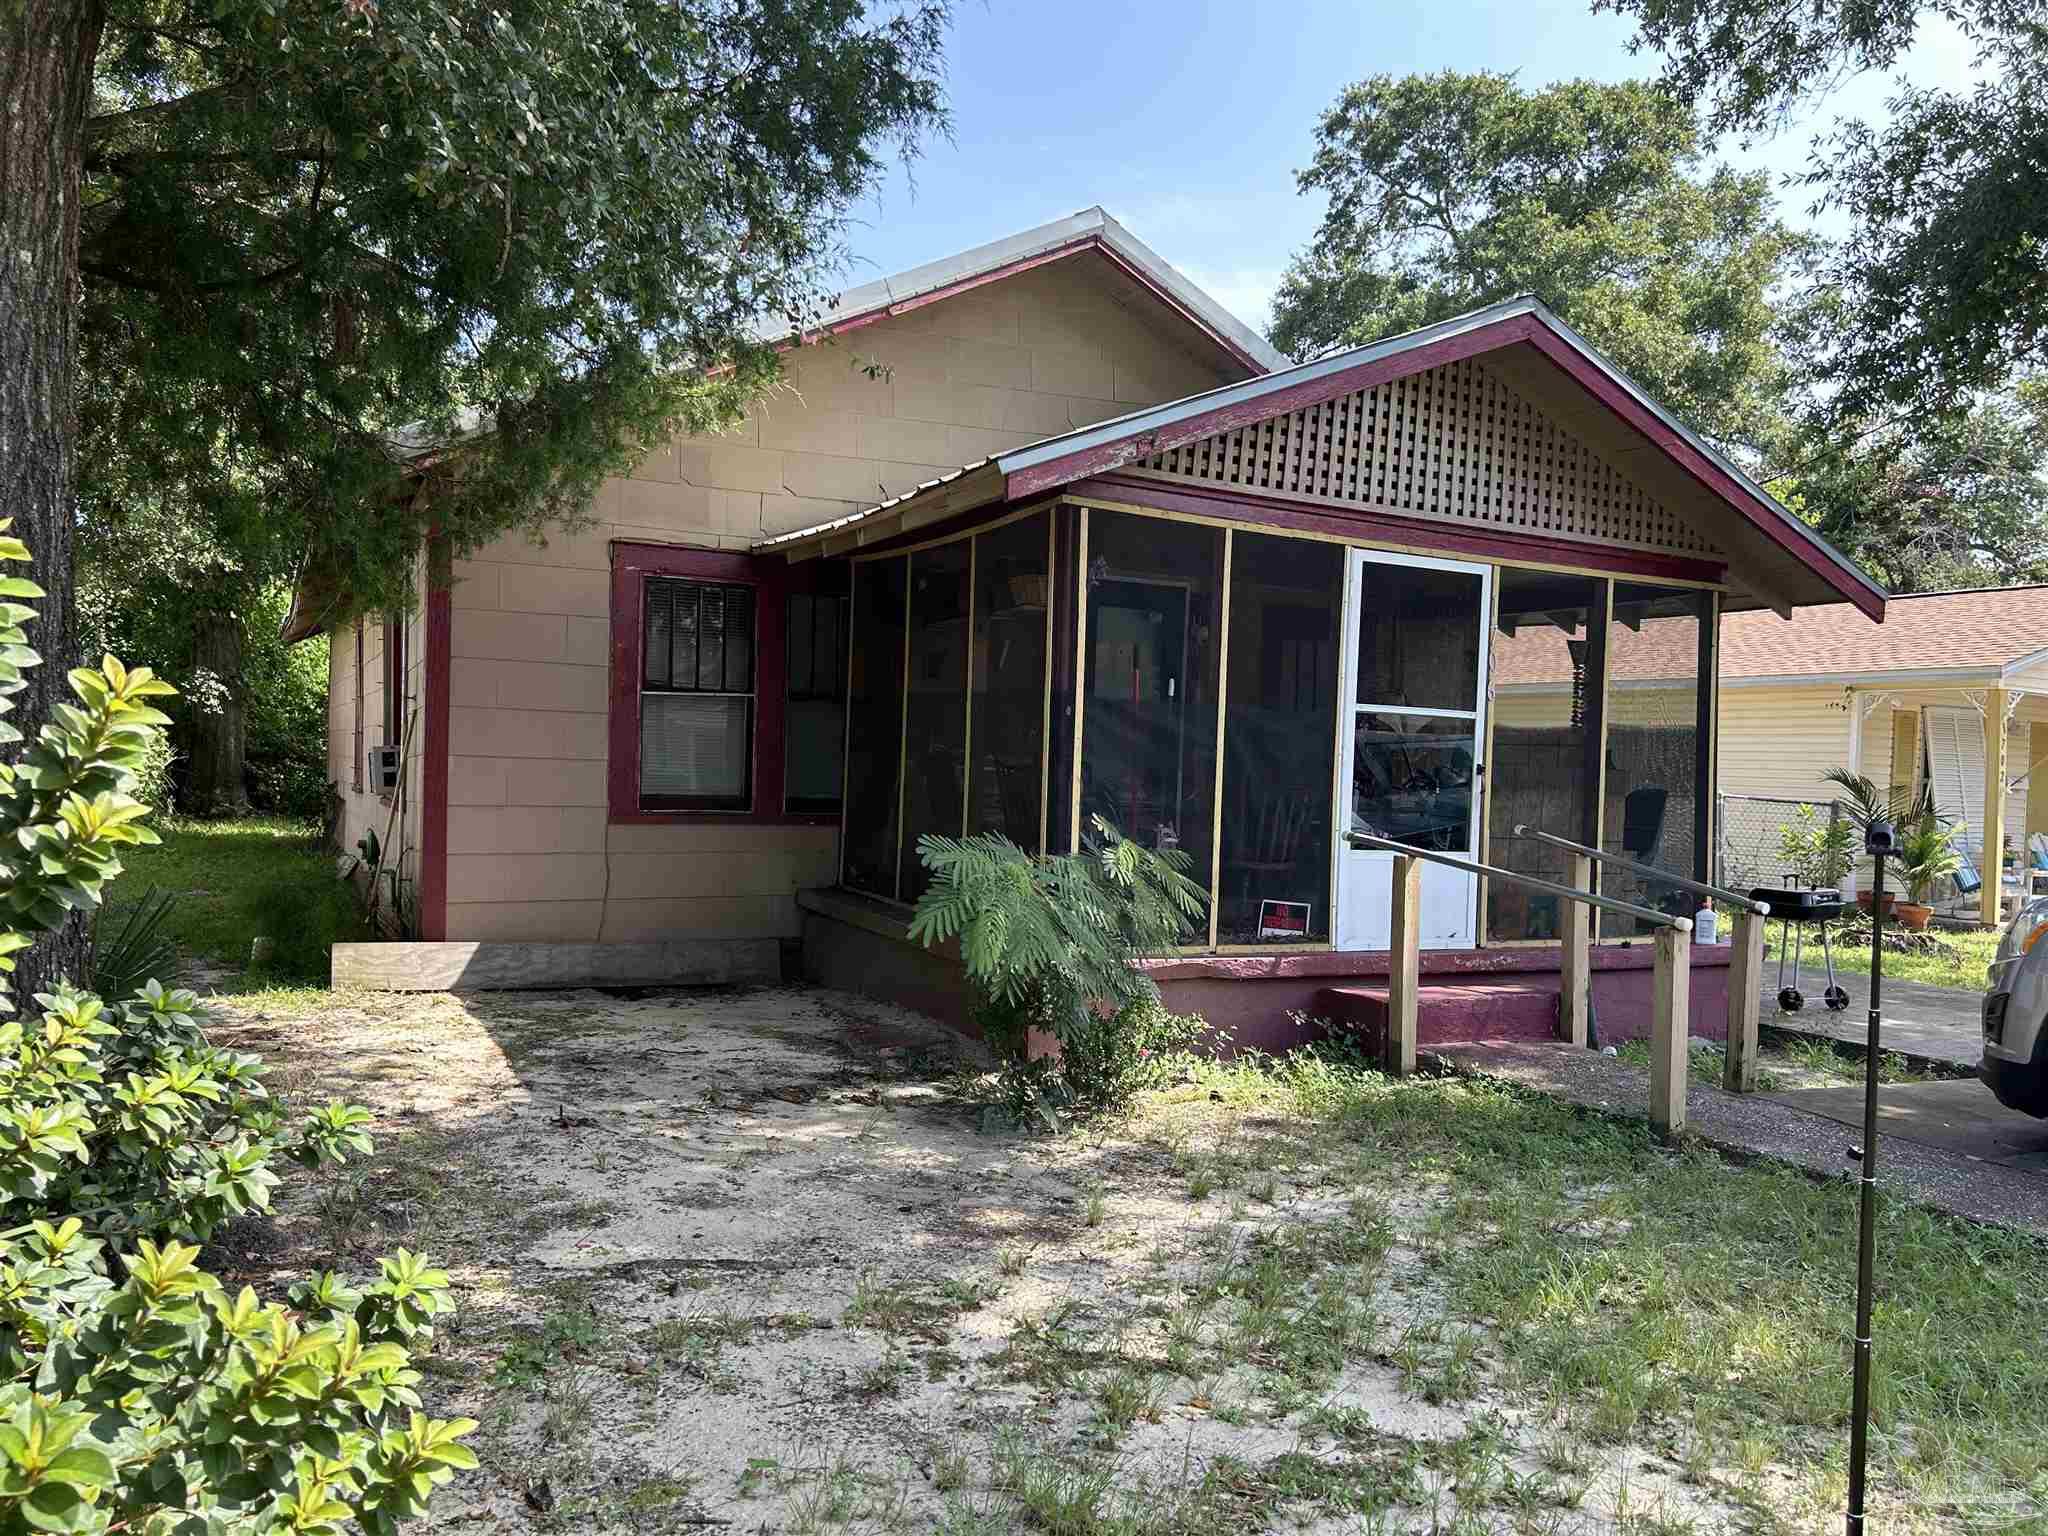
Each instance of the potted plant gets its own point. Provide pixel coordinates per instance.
(1926, 854)
(1904, 805)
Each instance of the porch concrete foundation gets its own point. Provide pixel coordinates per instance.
(857, 944)
(1275, 1002)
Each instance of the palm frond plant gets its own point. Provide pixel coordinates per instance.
(1926, 838)
(131, 947)
(1053, 943)
(1927, 855)
(1866, 802)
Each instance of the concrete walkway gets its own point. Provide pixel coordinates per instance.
(1917, 1157)
(1957, 1116)
(1928, 1025)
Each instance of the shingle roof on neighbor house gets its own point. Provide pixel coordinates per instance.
(1037, 467)
(1934, 636)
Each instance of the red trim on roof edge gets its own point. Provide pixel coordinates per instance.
(434, 747)
(1768, 518)
(1115, 455)
(1074, 247)
(1249, 507)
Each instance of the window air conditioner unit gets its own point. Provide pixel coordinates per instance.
(384, 769)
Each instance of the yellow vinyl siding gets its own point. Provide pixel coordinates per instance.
(1777, 742)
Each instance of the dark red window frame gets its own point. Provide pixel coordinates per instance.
(771, 579)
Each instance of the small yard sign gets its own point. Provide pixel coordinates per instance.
(1283, 919)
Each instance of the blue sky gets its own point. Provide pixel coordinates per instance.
(1187, 119)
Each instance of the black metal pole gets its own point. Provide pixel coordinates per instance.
(1866, 1238)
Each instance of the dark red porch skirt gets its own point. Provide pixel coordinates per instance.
(857, 944)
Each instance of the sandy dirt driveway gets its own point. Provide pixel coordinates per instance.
(760, 1260)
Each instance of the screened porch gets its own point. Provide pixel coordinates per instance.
(1247, 694)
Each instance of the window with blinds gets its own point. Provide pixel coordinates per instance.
(697, 696)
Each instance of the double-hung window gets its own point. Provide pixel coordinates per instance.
(697, 695)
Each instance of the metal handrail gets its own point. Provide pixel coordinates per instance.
(1656, 919)
(1735, 899)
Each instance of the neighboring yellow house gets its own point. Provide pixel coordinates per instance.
(1951, 691)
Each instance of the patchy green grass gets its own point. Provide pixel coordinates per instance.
(1941, 957)
(233, 881)
(1790, 1064)
(1668, 1298)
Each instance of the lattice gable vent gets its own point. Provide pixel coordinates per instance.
(1451, 442)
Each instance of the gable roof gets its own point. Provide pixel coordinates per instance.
(1785, 562)
(1092, 229)
(1983, 635)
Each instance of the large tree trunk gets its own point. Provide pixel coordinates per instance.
(214, 784)
(47, 49)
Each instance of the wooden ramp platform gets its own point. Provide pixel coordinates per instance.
(454, 967)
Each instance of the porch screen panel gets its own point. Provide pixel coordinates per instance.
(1280, 737)
(935, 736)
(874, 746)
(1542, 771)
(1005, 783)
(815, 710)
(1148, 681)
(1653, 787)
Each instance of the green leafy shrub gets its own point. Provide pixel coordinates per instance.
(1052, 944)
(1819, 853)
(136, 1393)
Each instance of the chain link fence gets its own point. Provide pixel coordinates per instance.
(1749, 833)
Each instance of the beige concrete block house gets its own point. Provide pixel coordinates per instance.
(532, 823)
(1040, 533)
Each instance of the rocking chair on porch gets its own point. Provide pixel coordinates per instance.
(1274, 822)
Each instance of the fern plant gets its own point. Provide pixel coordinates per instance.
(1053, 943)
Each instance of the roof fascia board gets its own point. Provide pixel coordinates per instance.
(1091, 229)
(1907, 681)
(1909, 677)
(1577, 357)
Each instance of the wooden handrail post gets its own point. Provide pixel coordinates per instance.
(1745, 980)
(1670, 1029)
(1575, 980)
(1404, 964)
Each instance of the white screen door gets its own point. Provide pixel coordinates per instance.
(1414, 676)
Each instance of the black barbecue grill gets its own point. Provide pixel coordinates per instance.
(1795, 908)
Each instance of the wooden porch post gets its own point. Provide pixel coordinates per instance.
(1670, 1024)
(1745, 979)
(1855, 765)
(2037, 778)
(1404, 964)
(1575, 981)
(1993, 863)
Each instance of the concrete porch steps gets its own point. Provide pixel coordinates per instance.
(1450, 1008)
